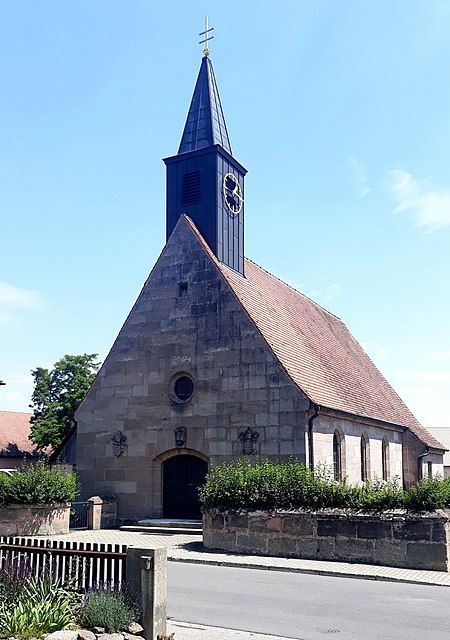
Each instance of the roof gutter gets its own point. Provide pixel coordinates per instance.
(419, 462)
(310, 436)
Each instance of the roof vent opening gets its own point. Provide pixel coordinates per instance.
(191, 187)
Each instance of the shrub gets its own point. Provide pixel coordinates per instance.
(14, 574)
(113, 610)
(288, 485)
(429, 494)
(38, 484)
(32, 606)
(32, 619)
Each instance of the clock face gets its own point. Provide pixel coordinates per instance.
(232, 194)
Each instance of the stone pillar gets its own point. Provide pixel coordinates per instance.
(95, 512)
(109, 512)
(146, 575)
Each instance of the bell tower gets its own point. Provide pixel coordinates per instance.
(204, 180)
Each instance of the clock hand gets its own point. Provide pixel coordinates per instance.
(235, 193)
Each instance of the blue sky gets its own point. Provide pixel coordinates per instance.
(340, 112)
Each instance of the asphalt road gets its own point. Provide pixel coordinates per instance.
(306, 607)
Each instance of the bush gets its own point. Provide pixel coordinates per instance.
(113, 610)
(32, 606)
(290, 485)
(38, 484)
(429, 494)
(14, 574)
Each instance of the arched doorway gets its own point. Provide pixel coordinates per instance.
(182, 475)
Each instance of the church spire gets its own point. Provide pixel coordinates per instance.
(204, 180)
(205, 124)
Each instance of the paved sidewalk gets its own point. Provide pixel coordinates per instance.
(188, 631)
(136, 538)
(188, 548)
(194, 553)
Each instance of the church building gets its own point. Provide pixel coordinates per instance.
(220, 359)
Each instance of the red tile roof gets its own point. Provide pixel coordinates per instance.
(14, 432)
(316, 349)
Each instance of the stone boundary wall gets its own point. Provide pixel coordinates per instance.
(396, 538)
(34, 520)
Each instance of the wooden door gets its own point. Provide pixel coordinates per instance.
(182, 475)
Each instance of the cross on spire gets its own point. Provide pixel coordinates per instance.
(207, 37)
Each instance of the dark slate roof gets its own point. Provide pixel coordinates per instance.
(316, 349)
(205, 125)
(14, 431)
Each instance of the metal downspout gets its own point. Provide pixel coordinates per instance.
(419, 463)
(310, 436)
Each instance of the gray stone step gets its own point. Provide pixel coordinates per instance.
(166, 526)
(167, 523)
(162, 530)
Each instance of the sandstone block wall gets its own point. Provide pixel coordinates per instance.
(202, 330)
(396, 539)
(30, 520)
(350, 432)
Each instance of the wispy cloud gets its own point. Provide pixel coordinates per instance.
(11, 296)
(16, 395)
(13, 397)
(360, 176)
(442, 355)
(377, 351)
(424, 391)
(426, 204)
(295, 284)
(433, 376)
(427, 376)
(20, 378)
(330, 292)
(14, 300)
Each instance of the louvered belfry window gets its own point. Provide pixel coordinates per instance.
(191, 187)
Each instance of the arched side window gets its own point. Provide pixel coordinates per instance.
(364, 457)
(338, 455)
(385, 459)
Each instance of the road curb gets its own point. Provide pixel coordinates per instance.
(308, 571)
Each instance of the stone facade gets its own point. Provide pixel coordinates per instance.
(350, 433)
(186, 321)
(395, 539)
(34, 520)
(189, 323)
(416, 464)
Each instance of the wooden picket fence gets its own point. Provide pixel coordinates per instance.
(84, 564)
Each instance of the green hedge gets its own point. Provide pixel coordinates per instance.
(290, 485)
(38, 484)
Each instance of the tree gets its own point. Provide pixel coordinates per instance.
(57, 395)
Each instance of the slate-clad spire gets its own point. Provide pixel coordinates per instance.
(204, 180)
(205, 125)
